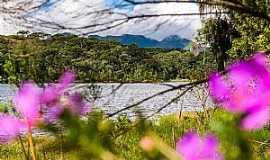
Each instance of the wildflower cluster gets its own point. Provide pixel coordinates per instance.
(41, 105)
(245, 89)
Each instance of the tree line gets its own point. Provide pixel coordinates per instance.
(43, 57)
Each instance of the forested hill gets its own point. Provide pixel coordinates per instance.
(170, 42)
(43, 57)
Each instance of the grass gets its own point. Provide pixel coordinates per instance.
(126, 136)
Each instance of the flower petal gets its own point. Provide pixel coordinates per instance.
(78, 105)
(27, 101)
(50, 94)
(10, 128)
(66, 79)
(210, 148)
(186, 146)
(192, 147)
(256, 118)
(53, 114)
(218, 88)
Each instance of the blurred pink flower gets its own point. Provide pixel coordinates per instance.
(10, 128)
(56, 101)
(27, 102)
(73, 103)
(147, 144)
(53, 113)
(78, 105)
(66, 79)
(245, 89)
(52, 92)
(192, 147)
(256, 118)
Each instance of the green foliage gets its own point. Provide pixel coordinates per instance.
(241, 36)
(254, 36)
(3, 107)
(42, 58)
(8, 108)
(88, 139)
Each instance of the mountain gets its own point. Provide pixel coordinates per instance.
(169, 42)
(174, 41)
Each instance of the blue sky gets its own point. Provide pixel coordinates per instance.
(49, 5)
(119, 4)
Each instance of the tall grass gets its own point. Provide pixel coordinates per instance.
(126, 136)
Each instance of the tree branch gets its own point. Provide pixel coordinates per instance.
(171, 101)
(236, 6)
(157, 94)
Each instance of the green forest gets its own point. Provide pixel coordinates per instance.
(42, 57)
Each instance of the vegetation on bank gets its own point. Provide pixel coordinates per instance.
(43, 57)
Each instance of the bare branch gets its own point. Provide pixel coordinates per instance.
(23, 11)
(236, 6)
(171, 101)
(157, 94)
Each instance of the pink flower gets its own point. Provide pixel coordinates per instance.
(73, 103)
(53, 113)
(66, 79)
(78, 105)
(56, 101)
(245, 89)
(147, 144)
(192, 147)
(256, 118)
(52, 93)
(10, 128)
(27, 102)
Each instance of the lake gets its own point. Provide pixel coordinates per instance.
(111, 97)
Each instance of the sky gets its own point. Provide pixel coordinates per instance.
(119, 4)
(64, 11)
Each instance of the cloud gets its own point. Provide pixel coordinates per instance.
(81, 13)
(8, 28)
(161, 27)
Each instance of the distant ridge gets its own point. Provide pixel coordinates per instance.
(169, 42)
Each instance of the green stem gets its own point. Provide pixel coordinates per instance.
(30, 140)
(23, 148)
